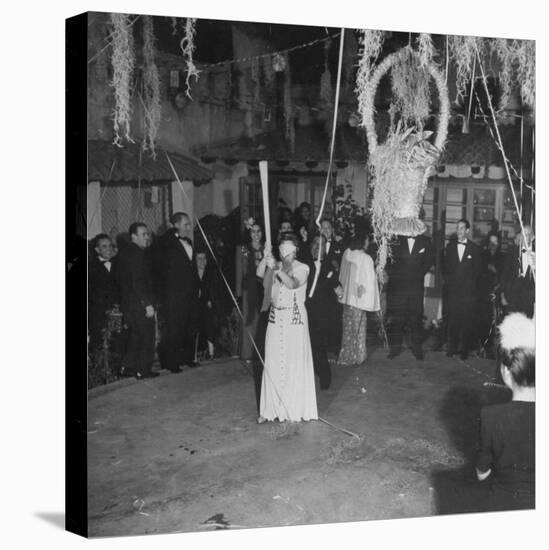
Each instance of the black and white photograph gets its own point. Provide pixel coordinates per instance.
(300, 276)
(311, 267)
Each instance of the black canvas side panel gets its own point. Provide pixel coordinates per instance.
(76, 491)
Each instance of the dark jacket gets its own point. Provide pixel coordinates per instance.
(324, 300)
(133, 276)
(462, 278)
(335, 254)
(406, 272)
(491, 270)
(175, 274)
(519, 291)
(102, 291)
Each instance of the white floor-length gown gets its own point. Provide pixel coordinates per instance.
(288, 385)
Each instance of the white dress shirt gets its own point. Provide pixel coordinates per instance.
(107, 264)
(188, 248)
(411, 242)
(461, 249)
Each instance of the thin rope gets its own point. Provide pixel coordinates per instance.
(332, 146)
(533, 176)
(270, 54)
(472, 90)
(487, 119)
(521, 160)
(484, 80)
(447, 60)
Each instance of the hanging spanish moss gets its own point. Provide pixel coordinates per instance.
(174, 25)
(123, 63)
(370, 43)
(503, 52)
(151, 88)
(519, 58)
(187, 47)
(426, 49)
(525, 55)
(463, 51)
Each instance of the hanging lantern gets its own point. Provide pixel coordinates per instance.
(279, 63)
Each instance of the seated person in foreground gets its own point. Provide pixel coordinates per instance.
(507, 438)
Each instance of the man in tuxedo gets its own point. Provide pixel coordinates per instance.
(177, 286)
(333, 254)
(517, 280)
(132, 273)
(323, 309)
(411, 258)
(102, 289)
(462, 269)
(334, 249)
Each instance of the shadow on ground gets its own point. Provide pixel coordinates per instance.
(458, 491)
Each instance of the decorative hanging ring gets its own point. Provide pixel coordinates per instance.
(381, 69)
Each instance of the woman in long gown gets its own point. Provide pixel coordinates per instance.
(360, 294)
(288, 385)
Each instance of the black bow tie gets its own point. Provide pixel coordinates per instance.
(185, 240)
(104, 261)
(462, 243)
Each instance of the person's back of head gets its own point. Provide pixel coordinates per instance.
(517, 343)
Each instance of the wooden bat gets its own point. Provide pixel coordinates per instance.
(264, 174)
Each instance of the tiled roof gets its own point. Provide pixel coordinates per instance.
(311, 143)
(107, 162)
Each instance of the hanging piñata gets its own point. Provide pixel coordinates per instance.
(401, 166)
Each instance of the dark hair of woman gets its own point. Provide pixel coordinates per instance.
(247, 234)
(289, 237)
(358, 242)
(521, 363)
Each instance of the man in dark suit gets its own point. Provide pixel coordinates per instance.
(177, 286)
(323, 309)
(334, 252)
(102, 288)
(334, 249)
(132, 273)
(411, 258)
(462, 269)
(517, 280)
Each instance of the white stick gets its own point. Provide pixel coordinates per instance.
(264, 174)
